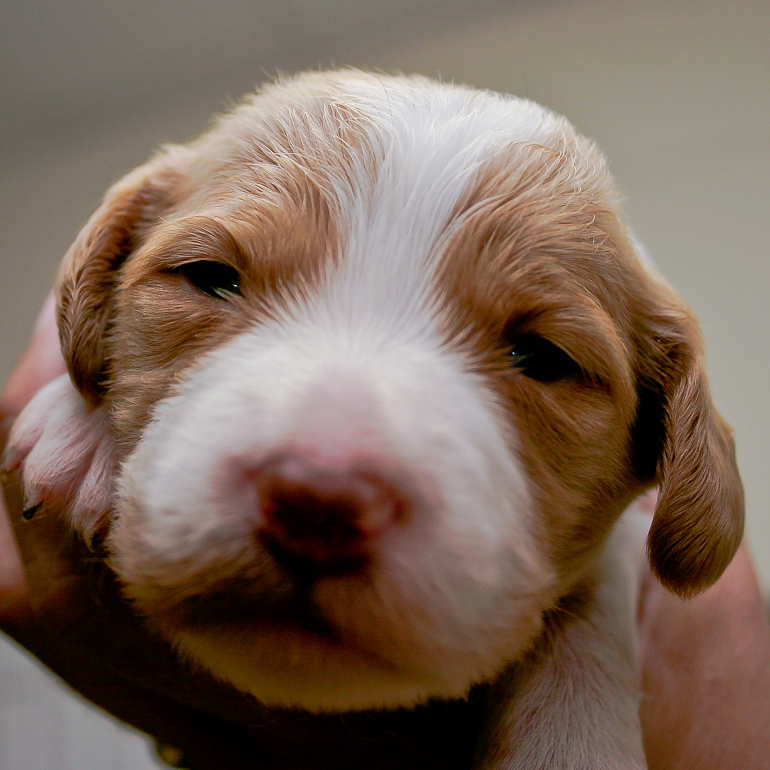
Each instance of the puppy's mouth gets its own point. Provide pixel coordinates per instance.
(280, 597)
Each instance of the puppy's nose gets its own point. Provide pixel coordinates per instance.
(318, 520)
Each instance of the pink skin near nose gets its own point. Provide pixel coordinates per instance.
(327, 518)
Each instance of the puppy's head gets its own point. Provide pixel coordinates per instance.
(382, 369)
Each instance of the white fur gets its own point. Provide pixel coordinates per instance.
(586, 682)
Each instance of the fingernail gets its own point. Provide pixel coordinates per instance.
(29, 513)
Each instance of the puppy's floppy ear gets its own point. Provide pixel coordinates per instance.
(88, 273)
(698, 522)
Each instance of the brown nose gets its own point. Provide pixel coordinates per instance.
(317, 520)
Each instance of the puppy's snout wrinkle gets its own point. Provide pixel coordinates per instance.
(321, 520)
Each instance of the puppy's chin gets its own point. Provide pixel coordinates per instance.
(339, 643)
(296, 668)
(290, 666)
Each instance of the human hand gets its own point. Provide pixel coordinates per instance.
(706, 674)
(41, 363)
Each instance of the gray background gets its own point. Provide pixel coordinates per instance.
(676, 92)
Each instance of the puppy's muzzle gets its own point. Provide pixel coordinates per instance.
(317, 520)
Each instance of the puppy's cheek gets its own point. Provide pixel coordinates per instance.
(66, 455)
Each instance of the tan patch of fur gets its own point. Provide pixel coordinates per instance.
(162, 324)
(254, 193)
(537, 248)
(88, 274)
(698, 522)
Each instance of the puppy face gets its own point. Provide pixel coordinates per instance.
(381, 369)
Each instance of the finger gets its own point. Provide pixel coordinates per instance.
(48, 550)
(40, 364)
(665, 619)
(206, 742)
(12, 583)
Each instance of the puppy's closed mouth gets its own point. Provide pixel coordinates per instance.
(236, 603)
(312, 564)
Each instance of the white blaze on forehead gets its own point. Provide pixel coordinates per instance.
(392, 210)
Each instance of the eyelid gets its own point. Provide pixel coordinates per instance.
(172, 263)
(191, 239)
(213, 278)
(586, 333)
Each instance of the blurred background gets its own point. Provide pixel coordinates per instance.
(676, 92)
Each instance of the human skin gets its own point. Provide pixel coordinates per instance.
(706, 674)
(705, 662)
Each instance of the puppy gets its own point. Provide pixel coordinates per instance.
(359, 383)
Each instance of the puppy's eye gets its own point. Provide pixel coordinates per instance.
(541, 360)
(213, 278)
